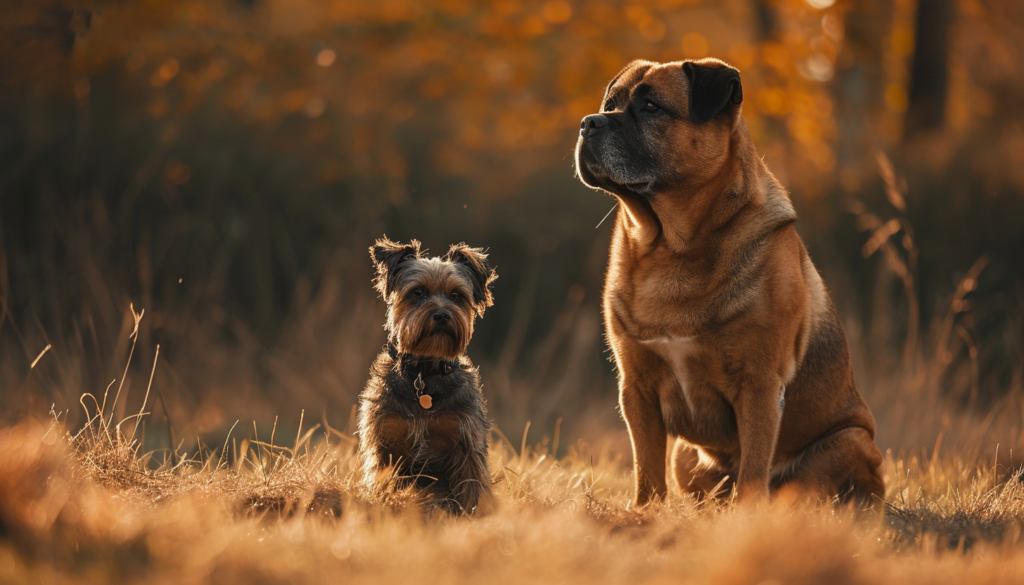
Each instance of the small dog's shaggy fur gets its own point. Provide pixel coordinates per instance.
(422, 416)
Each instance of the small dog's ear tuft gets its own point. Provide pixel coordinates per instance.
(482, 275)
(714, 86)
(388, 258)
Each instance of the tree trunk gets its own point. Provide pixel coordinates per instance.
(929, 73)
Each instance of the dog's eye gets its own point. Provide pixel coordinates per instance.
(609, 106)
(455, 296)
(650, 107)
(418, 291)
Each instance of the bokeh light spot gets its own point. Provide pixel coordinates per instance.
(742, 55)
(295, 100)
(817, 67)
(166, 72)
(694, 46)
(775, 55)
(326, 57)
(652, 29)
(557, 11)
(772, 101)
(534, 26)
(832, 25)
(315, 107)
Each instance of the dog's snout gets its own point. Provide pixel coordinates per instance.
(592, 123)
(442, 317)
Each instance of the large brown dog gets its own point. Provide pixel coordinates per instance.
(723, 332)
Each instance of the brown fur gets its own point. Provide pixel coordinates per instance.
(432, 304)
(722, 330)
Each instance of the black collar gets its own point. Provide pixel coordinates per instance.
(411, 366)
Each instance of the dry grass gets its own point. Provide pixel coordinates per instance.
(90, 504)
(90, 507)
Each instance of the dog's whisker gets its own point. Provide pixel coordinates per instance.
(606, 215)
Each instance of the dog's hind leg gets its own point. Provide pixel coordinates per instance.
(845, 464)
(702, 478)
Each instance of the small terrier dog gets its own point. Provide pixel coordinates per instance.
(422, 416)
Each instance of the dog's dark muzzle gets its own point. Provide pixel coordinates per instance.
(443, 327)
(593, 124)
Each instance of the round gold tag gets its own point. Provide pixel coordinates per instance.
(426, 401)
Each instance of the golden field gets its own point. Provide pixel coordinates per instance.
(88, 506)
(224, 164)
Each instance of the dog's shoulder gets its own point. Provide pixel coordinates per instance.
(383, 366)
(777, 210)
(770, 209)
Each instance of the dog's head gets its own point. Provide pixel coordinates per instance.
(432, 302)
(662, 127)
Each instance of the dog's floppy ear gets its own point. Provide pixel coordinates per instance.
(481, 274)
(388, 258)
(714, 86)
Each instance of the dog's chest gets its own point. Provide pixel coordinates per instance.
(677, 352)
(695, 408)
(649, 301)
(421, 435)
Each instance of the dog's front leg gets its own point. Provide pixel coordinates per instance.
(640, 373)
(758, 418)
(470, 480)
(647, 433)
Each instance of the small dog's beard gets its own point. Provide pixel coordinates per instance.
(415, 332)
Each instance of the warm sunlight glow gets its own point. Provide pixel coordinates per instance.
(325, 58)
(694, 46)
(759, 320)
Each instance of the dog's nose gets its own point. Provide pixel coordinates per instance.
(442, 317)
(593, 123)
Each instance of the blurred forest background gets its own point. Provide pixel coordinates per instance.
(225, 164)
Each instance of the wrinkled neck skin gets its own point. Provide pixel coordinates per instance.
(681, 213)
